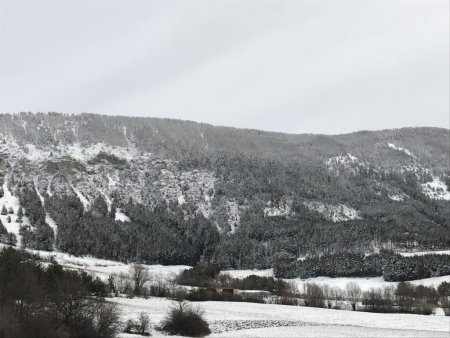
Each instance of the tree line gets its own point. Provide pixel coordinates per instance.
(393, 267)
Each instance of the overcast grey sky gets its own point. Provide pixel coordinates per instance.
(295, 66)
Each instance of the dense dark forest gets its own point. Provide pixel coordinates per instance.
(393, 267)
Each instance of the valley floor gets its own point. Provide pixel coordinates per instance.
(232, 319)
(103, 268)
(267, 320)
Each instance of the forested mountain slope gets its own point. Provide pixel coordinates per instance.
(177, 192)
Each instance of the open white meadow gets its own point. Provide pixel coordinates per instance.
(231, 319)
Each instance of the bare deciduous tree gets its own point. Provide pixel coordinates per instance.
(314, 295)
(139, 275)
(144, 322)
(353, 293)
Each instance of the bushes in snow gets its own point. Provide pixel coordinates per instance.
(140, 326)
(185, 320)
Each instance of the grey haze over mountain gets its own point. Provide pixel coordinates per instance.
(294, 66)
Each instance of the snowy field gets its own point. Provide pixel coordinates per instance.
(365, 283)
(421, 253)
(266, 320)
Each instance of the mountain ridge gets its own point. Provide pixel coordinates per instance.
(172, 119)
(172, 191)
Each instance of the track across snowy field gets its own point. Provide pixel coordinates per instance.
(229, 319)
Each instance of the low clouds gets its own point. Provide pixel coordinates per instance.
(295, 66)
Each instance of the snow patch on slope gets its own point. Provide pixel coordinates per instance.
(82, 199)
(436, 189)
(343, 159)
(403, 150)
(85, 153)
(398, 197)
(334, 213)
(196, 186)
(51, 223)
(346, 163)
(120, 216)
(181, 200)
(10, 201)
(282, 209)
(422, 253)
(35, 180)
(76, 151)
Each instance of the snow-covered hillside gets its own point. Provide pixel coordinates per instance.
(225, 190)
(12, 205)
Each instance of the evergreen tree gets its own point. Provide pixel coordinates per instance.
(3, 230)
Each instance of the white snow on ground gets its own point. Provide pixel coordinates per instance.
(245, 273)
(312, 331)
(230, 317)
(365, 283)
(111, 181)
(51, 223)
(181, 200)
(82, 199)
(398, 197)
(48, 219)
(37, 190)
(84, 153)
(346, 163)
(49, 188)
(421, 253)
(35, 154)
(342, 159)
(77, 151)
(107, 199)
(120, 216)
(103, 267)
(436, 189)
(10, 201)
(334, 213)
(281, 209)
(403, 150)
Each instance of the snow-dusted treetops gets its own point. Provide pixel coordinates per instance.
(178, 192)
